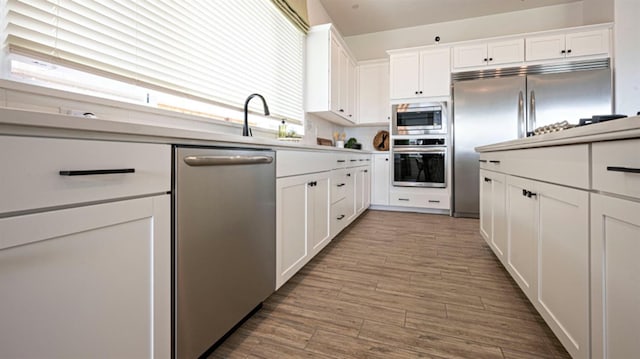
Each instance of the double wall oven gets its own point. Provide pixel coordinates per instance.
(419, 145)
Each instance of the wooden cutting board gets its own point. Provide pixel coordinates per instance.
(381, 141)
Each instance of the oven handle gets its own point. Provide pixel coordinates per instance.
(438, 149)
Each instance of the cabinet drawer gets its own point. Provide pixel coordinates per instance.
(433, 201)
(292, 163)
(616, 167)
(339, 217)
(31, 171)
(339, 185)
(566, 165)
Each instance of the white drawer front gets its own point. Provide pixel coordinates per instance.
(431, 201)
(31, 169)
(616, 167)
(339, 217)
(566, 165)
(339, 185)
(292, 163)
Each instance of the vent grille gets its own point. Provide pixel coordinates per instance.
(532, 70)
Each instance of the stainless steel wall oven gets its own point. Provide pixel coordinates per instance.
(420, 161)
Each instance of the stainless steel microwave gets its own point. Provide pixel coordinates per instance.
(419, 119)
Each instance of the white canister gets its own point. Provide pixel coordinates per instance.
(340, 144)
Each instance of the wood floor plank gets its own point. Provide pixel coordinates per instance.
(398, 285)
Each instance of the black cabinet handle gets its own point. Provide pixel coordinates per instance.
(313, 183)
(524, 192)
(528, 194)
(487, 179)
(569, 51)
(421, 92)
(403, 199)
(365, 171)
(623, 169)
(491, 59)
(352, 160)
(485, 59)
(350, 115)
(433, 201)
(386, 159)
(341, 161)
(348, 174)
(563, 52)
(340, 185)
(341, 110)
(339, 218)
(97, 172)
(482, 161)
(494, 161)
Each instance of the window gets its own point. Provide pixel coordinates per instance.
(172, 54)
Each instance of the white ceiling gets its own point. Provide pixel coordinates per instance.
(355, 17)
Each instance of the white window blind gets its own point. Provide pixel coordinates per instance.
(217, 51)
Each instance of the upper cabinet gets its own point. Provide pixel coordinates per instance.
(373, 93)
(569, 45)
(489, 54)
(331, 76)
(420, 74)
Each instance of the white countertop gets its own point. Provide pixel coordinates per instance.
(605, 131)
(32, 123)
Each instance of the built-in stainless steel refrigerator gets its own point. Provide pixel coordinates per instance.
(500, 105)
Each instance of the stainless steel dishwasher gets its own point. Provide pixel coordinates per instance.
(224, 242)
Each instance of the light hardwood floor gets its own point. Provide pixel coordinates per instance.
(398, 285)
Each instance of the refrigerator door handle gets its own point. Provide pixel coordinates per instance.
(522, 131)
(532, 111)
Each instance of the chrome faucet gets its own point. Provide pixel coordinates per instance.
(245, 128)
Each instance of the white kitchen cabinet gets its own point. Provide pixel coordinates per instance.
(380, 180)
(91, 281)
(493, 222)
(302, 228)
(331, 76)
(592, 43)
(362, 189)
(615, 269)
(522, 234)
(488, 54)
(373, 93)
(420, 74)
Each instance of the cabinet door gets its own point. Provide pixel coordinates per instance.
(486, 206)
(435, 70)
(335, 85)
(359, 189)
(545, 47)
(522, 248)
(587, 43)
(318, 223)
(351, 109)
(562, 296)
(350, 191)
(292, 204)
(380, 180)
(343, 109)
(367, 187)
(615, 269)
(87, 282)
(373, 93)
(493, 225)
(505, 52)
(404, 75)
(470, 55)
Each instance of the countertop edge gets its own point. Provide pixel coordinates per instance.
(612, 130)
(18, 122)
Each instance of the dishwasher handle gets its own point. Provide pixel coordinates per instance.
(199, 161)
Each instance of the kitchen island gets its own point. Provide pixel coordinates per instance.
(561, 211)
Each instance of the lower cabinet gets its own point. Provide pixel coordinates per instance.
(615, 269)
(380, 180)
(302, 227)
(493, 222)
(89, 281)
(548, 255)
(362, 189)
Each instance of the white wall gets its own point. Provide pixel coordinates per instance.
(374, 45)
(597, 11)
(317, 13)
(627, 56)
